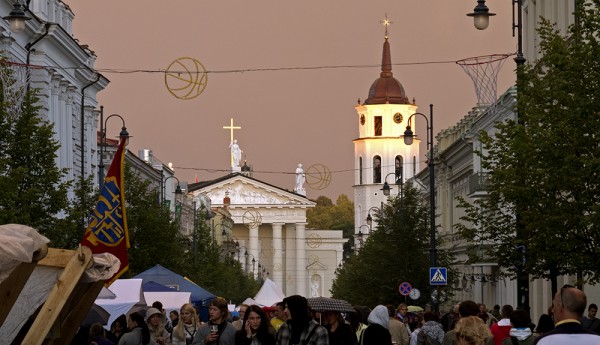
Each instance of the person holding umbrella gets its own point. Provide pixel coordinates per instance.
(299, 327)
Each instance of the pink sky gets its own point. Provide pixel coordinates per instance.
(287, 116)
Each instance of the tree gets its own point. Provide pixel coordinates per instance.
(217, 273)
(327, 216)
(545, 167)
(397, 251)
(32, 190)
(154, 237)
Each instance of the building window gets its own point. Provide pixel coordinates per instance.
(414, 165)
(378, 126)
(399, 168)
(360, 180)
(376, 169)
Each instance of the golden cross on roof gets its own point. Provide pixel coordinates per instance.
(386, 22)
(231, 127)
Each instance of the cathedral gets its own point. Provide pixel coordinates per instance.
(264, 227)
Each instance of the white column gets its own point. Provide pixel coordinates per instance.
(253, 248)
(290, 260)
(277, 272)
(301, 263)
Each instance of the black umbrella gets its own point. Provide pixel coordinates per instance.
(97, 314)
(323, 304)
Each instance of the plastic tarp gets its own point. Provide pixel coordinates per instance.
(128, 293)
(170, 300)
(169, 278)
(269, 294)
(19, 242)
(153, 286)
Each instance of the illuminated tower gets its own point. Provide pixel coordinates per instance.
(379, 150)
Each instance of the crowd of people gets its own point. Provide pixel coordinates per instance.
(292, 322)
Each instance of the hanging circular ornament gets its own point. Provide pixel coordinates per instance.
(318, 176)
(186, 78)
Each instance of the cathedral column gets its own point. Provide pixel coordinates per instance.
(253, 248)
(301, 281)
(277, 270)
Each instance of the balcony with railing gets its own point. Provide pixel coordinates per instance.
(478, 184)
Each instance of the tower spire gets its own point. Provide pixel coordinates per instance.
(386, 60)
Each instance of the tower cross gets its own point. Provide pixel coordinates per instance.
(386, 22)
(231, 127)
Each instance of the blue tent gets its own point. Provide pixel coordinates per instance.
(168, 278)
(153, 286)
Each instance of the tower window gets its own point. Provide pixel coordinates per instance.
(414, 165)
(360, 168)
(378, 126)
(376, 169)
(399, 168)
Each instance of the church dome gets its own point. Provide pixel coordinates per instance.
(386, 89)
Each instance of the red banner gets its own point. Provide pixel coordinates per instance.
(107, 231)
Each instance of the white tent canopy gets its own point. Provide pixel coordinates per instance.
(170, 300)
(269, 294)
(128, 293)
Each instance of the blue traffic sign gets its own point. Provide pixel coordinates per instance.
(405, 289)
(438, 276)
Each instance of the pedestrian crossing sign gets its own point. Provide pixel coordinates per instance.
(438, 276)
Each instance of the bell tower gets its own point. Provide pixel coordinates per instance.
(380, 154)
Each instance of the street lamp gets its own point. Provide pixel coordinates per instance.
(178, 190)
(483, 18)
(369, 218)
(17, 18)
(386, 187)
(408, 140)
(361, 234)
(123, 135)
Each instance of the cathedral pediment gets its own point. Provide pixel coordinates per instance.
(243, 190)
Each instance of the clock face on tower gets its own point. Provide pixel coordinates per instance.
(362, 119)
(397, 117)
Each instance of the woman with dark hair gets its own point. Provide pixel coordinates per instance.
(117, 329)
(340, 332)
(138, 331)
(255, 328)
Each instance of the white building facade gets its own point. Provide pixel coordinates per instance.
(67, 95)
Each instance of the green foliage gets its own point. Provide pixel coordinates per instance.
(397, 251)
(327, 216)
(70, 230)
(31, 188)
(217, 273)
(546, 167)
(153, 236)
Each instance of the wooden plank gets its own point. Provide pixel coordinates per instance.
(77, 309)
(64, 287)
(57, 258)
(11, 287)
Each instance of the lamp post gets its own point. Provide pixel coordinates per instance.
(360, 235)
(369, 218)
(123, 135)
(408, 140)
(178, 190)
(481, 17)
(17, 18)
(386, 187)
